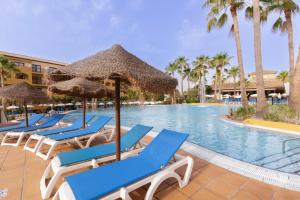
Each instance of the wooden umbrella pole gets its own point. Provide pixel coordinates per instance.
(83, 112)
(118, 123)
(26, 113)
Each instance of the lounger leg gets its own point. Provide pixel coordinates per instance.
(171, 174)
(18, 135)
(155, 183)
(64, 193)
(124, 194)
(46, 189)
(39, 140)
(48, 155)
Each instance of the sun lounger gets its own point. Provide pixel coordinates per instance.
(118, 179)
(67, 162)
(95, 129)
(37, 137)
(19, 134)
(31, 121)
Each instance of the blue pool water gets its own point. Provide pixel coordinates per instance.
(206, 129)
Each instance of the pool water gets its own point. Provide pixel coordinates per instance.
(207, 129)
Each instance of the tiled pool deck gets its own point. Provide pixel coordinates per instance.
(20, 173)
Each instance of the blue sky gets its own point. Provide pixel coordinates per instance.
(156, 31)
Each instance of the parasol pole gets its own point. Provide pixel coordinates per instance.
(83, 112)
(118, 123)
(26, 113)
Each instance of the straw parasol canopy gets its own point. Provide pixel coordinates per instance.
(118, 64)
(116, 61)
(80, 87)
(25, 93)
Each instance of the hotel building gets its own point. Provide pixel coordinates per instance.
(32, 70)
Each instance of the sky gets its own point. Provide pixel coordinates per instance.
(154, 30)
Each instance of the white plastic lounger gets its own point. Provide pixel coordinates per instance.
(33, 119)
(67, 162)
(118, 179)
(14, 138)
(36, 139)
(91, 132)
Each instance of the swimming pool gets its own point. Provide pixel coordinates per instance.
(207, 129)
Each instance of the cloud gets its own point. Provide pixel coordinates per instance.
(102, 5)
(190, 36)
(114, 21)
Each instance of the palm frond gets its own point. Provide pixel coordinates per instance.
(211, 23)
(222, 20)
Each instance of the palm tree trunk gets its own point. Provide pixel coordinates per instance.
(2, 85)
(203, 89)
(294, 97)
(181, 86)
(215, 89)
(237, 38)
(188, 81)
(293, 87)
(234, 86)
(261, 98)
(200, 89)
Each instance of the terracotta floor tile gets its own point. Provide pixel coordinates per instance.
(205, 194)
(202, 179)
(212, 171)
(190, 189)
(283, 194)
(170, 193)
(243, 195)
(264, 191)
(222, 189)
(233, 179)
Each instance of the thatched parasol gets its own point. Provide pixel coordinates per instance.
(24, 92)
(80, 87)
(118, 64)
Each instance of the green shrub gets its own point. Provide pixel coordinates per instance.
(281, 113)
(242, 113)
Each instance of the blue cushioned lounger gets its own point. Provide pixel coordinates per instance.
(46, 123)
(76, 125)
(63, 138)
(67, 162)
(19, 134)
(35, 140)
(128, 140)
(102, 181)
(94, 127)
(31, 121)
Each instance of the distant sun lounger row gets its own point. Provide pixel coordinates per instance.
(139, 166)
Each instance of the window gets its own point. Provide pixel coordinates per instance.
(51, 69)
(19, 64)
(37, 80)
(36, 68)
(21, 76)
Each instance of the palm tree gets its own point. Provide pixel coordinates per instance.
(187, 75)
(283, 76)
(182, 64)
(288, 8)
(6, 68)
(261, 98)
(221, 60)
(199, 71)
(217, 17)
(294, 97)
(171, 69)
(233, 73)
